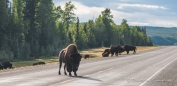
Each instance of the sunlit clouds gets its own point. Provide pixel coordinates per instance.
(122, 6)
(136, 14)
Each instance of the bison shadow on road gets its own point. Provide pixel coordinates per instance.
(88, 78)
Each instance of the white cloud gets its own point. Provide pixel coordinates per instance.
(136, 18)
(83, 12)
(122, 6)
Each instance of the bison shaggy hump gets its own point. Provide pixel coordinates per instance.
(71, 57)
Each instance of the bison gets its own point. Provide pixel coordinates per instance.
(86, 56)
(116, 49)
(39, 63)
(106, 54)
(113, 50)
(106, 51)
(36, 63)
(71, 57)
(7, 65)
(128, 48)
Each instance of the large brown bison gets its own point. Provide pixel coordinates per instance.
(71, 57)
(39, 63)
(128, 48)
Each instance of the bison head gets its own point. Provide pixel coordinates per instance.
(75, 60)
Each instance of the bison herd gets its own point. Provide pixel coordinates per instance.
(115, 50)
(71, 57)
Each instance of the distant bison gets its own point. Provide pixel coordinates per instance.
(114, 50)
(39, 63)
(36, 63)
(7, 65)
(71, 57)
(106, 54)
(128, 48)
(86, 56)
(107, 50)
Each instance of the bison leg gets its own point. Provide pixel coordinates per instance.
(75, 73)
(60, 68)
(127, 52)
(69, 69)
(65, 69)
(116, 53)
(70, 74)
(112, 54)
(74, 70)
(134, 52)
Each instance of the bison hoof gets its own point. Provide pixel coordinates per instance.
(59, 73)
(70, 75)
(75, 74)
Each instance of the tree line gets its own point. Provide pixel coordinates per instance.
(33, 28)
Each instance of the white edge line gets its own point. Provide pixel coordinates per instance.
(157, 72)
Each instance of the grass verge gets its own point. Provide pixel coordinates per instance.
(95, 52)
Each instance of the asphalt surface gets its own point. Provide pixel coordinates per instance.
(151, 68)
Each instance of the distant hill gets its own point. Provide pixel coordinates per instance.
(162, 35)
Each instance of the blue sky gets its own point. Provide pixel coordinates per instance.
(162, 13)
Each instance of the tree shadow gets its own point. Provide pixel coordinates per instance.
(88, 78)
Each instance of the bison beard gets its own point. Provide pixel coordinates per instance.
(75, 59)
(71, 58)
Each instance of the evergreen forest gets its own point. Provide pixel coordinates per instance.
(33, 28)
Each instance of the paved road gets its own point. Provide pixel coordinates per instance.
(152, 68)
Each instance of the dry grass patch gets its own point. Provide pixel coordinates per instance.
(97, 52)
